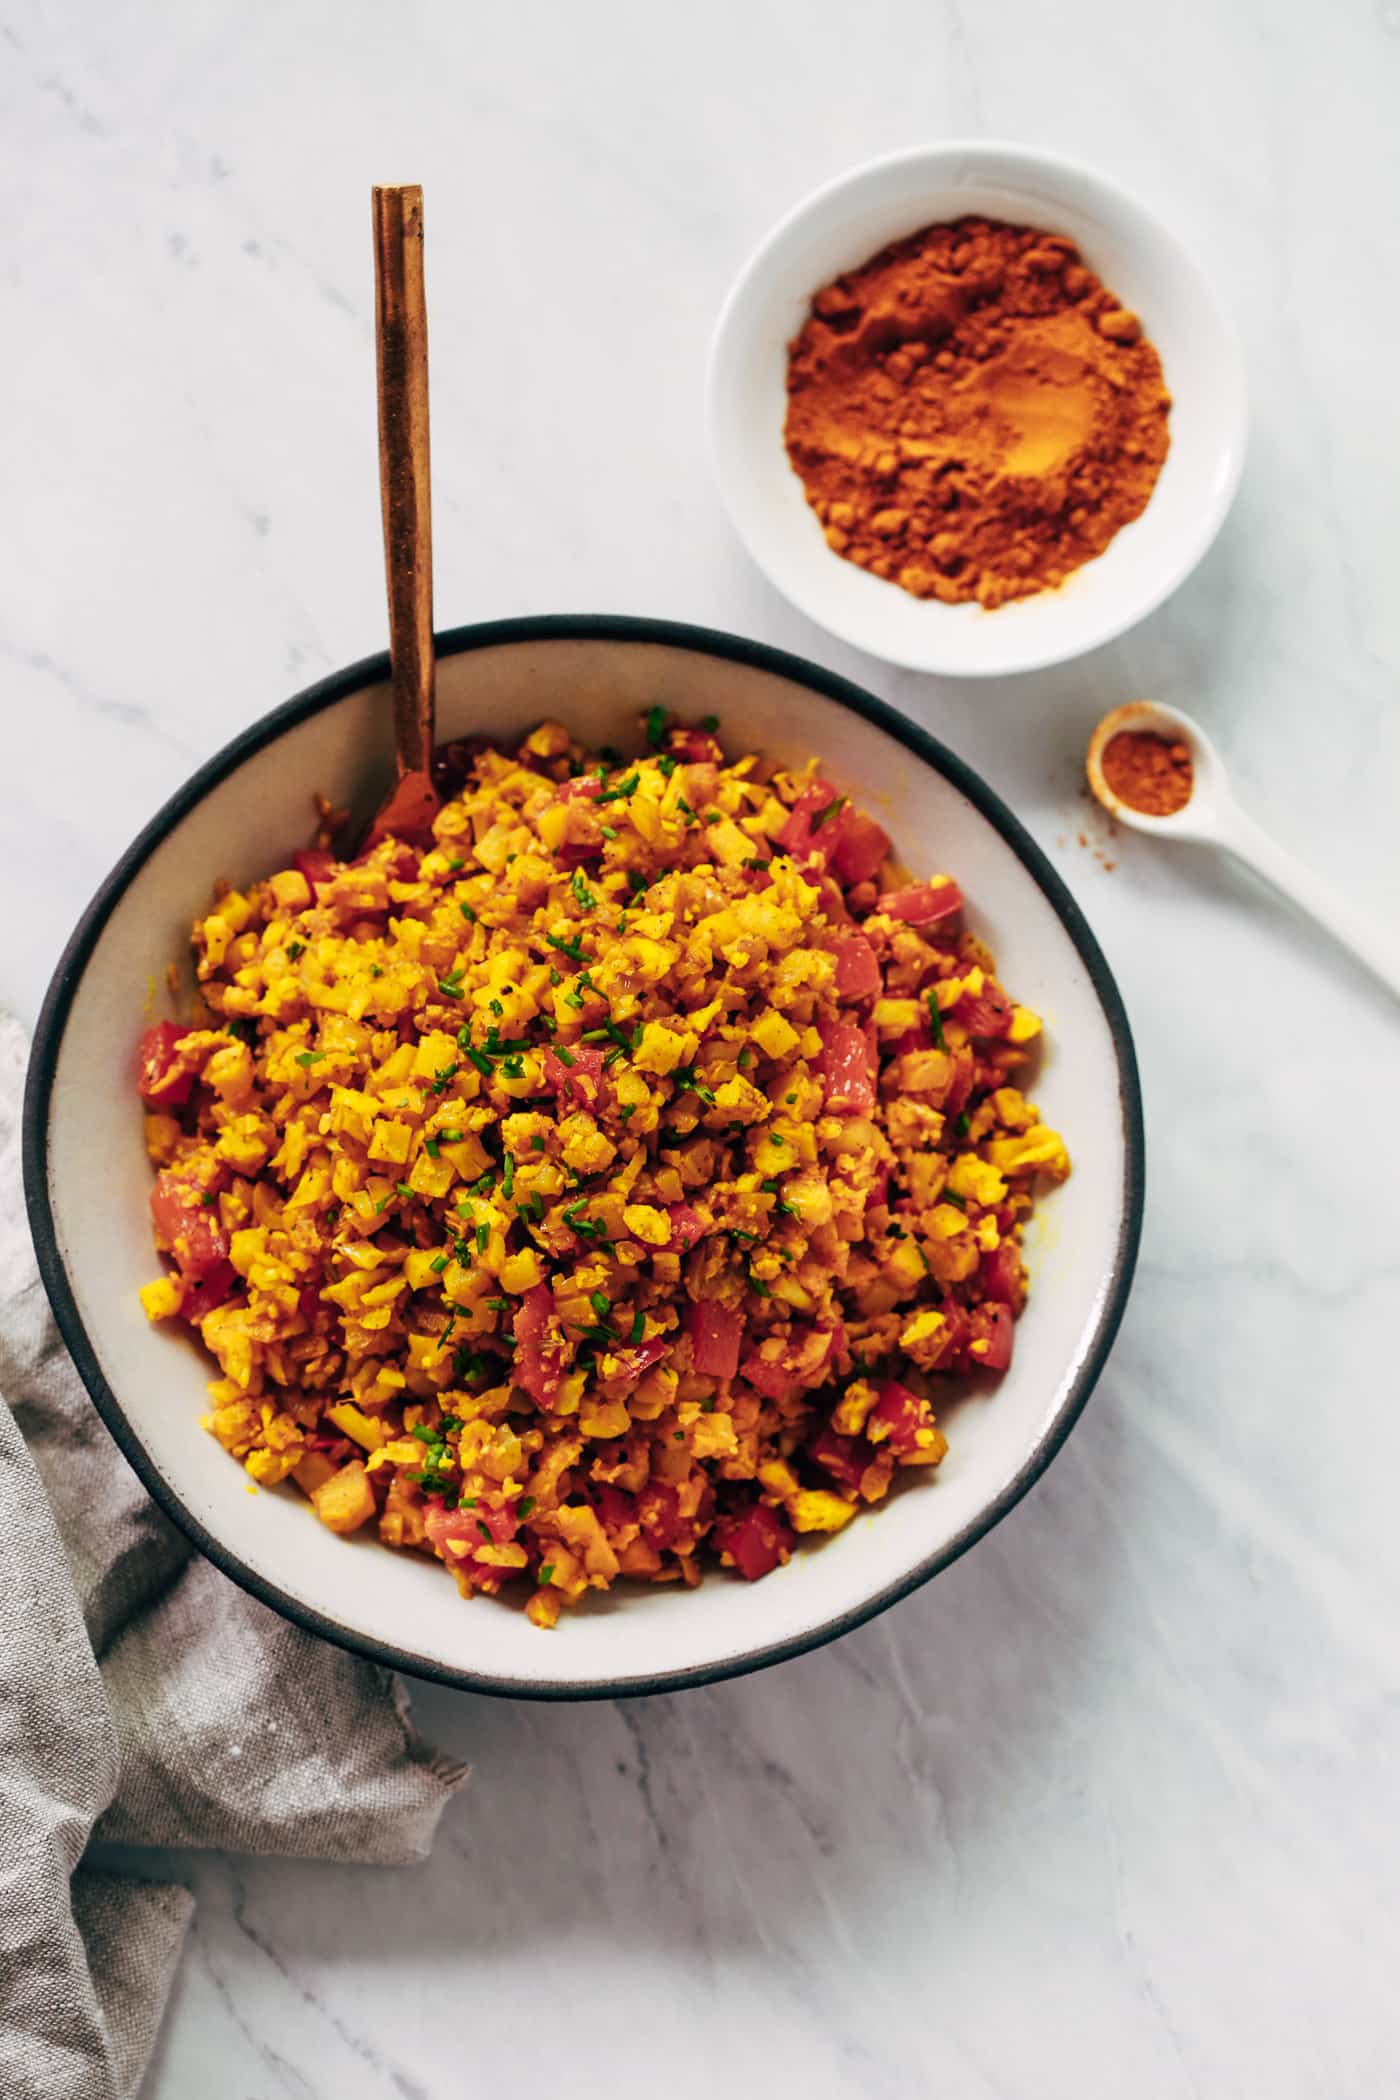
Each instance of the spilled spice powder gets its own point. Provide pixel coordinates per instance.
(1150, 773)
(971, 413)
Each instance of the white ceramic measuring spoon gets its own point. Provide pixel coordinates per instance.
(1212, 817)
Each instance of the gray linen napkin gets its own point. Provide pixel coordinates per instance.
(144, 1698)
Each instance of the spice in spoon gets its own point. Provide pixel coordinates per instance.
(1152, 774)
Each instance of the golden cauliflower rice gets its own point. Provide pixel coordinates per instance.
(602, 1191)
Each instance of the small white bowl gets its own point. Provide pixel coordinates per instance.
(88, 1179)
(843, 225)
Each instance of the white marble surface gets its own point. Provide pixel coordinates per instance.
(1111, 1808)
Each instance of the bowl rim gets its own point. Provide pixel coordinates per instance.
(372, 670)
(1194, 546)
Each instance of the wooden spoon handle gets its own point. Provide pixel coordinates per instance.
(401, 340)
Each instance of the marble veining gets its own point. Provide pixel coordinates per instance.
(1111, 1808)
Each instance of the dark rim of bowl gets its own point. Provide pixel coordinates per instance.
(604, 627)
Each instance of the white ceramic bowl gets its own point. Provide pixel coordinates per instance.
(87, 1177)
(841, 227)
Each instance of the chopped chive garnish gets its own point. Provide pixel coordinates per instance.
(935, 1020)
(479, 1059)
(546, 1573)
(668, 765)
(294, 949)
(709, 723)
(583, 895)
(824, 816)
(963, 1123)
(951, 1196)
(638, 881)
(404, 1190)
(524, 1506)
(625, 1114)
(607, 831)
(565, 1057)
(595, 1035)
(601, 1303)
(449, 1137)
(573, 947)
(483, 1238)
(307, 1058)
(537, 1143)
(498, 1304)
(431, 1147)
(438, 1264)
(638, 1325)
(467, 913)
(656, 727)
(508, 1175)
(623, 789)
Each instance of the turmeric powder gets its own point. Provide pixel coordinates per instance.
(972, 415)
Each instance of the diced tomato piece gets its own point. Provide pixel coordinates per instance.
(841, 1456)
(716, 1334)
(800, 1363)
(188, 1224)
(996, 1326)
(686, 1228)
(616, 1508)
(636, 1360)
(202, 1293)
(985, 1013)
(847, 1067)
(923, 903)
(659, 1514)
(485, 1524)
(578, 851)
(770, 1376)
(577, 1084)
(316, 864)
(797, 836)
(956, 1331)
(538, 1362)
(860, 847)
(960, 1086)
(897, 1417)
(696, 747)
(857, 968)
(585, 787)
(919, 1037)
(163, 1079)
(757, 1540)
(1002, 1275)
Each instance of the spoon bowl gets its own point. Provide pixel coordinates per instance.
(1199, 818)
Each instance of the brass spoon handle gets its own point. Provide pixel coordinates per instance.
(401, 341)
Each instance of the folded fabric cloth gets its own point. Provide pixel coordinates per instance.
(145, 1699)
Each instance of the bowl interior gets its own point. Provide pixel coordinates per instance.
(152, 1382)
(842, 227)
